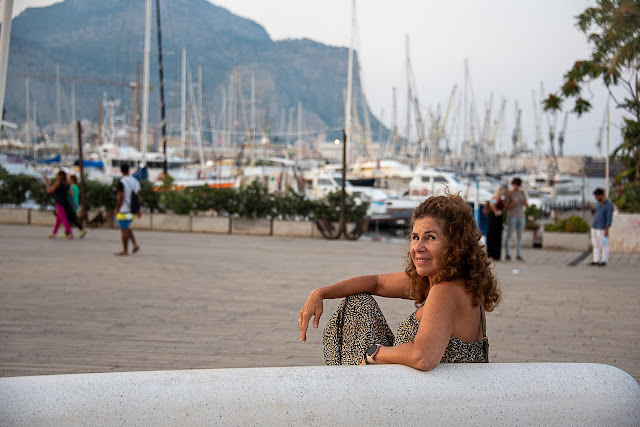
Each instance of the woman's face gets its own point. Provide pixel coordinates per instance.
(428, 244)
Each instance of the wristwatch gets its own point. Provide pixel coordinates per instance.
(369, 356)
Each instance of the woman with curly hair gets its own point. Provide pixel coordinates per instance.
(448, 276)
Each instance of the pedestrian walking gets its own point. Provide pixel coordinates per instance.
(72, 206)
(602, 217)
(516, 204)
(128, 187)
(60, 190)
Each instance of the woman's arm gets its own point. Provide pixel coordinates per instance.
(437, 322)
(51, 189)
(392, 285)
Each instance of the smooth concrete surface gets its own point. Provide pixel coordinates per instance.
(14, 216)
(253, 227)
(624, 234)
(293, 228)
(164, 222)
(451, 394)
(566, 241)
(211, 224)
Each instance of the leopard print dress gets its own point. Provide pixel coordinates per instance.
(358, 323)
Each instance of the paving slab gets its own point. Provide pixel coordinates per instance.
(191, 300)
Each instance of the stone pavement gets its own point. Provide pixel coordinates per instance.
(190, 300)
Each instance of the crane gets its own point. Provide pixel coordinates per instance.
(517, 131)
(561, 135)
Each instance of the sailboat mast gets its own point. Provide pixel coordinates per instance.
(5, 37)
(409, 95)
(145, 82)
(347, 107)
(163, 120)
(183, 101)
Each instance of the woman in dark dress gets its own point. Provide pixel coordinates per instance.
(495, 218)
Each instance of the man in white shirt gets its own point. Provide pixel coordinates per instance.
(127, 187)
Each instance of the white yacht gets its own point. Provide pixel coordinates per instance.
(319, 183)
(112, 156)
(427, 182)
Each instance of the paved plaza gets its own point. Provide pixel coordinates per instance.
(189, 300)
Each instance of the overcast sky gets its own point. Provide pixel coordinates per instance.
(512, 46)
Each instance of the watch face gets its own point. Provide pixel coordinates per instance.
(371, 351)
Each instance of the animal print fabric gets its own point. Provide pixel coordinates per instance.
(457, 351)
(358, 323)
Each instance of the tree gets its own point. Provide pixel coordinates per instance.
(612, 28)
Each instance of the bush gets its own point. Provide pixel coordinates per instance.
(98, 195)
(291, 205)
(531, 214)
(329, 208)
(252, 201)
(15, 189)
(626, 196)
(572, 224)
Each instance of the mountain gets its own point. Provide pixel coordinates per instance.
(95, 41)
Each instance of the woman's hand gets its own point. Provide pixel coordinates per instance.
(312, 308)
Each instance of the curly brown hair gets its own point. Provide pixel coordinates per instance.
(465, 256)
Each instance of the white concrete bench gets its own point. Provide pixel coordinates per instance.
(478, 394)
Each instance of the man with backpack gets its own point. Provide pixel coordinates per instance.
(127, 205)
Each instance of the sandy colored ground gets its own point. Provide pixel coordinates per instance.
(190, 300)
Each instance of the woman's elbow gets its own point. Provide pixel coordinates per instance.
(424, 361)
(426, 364)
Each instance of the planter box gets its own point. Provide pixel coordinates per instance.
(293, 228)
(255, 227)
(14, 216)
(624, 234)
(143, 223)
(568, 241)
(171, 222)
(211, 224)
(43, 218)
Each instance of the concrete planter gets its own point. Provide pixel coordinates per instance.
(567, 241)
(624, 234)
(143, 223)
(14, 216)
(171, 222)
(43, 218)
(254, 227)
(211, 224)
(293, 228)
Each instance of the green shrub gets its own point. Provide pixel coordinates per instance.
(291, 205)
(626, 196)
(150, 197)
(256, 201)
(98, 195)
(572, 224)
(329, 208)
(531, 214)
(251, 201)
(15, 189)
